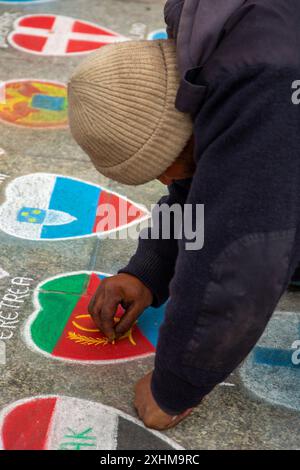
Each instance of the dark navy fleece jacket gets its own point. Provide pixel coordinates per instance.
(247, 150)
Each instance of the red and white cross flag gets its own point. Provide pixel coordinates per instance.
(55, 35)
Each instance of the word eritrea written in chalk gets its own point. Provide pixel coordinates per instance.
(10, 306)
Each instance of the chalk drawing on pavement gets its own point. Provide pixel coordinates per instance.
(56, 35)
(53, 422)
(43, 206)
(34, 103)
(270, 371)
(61, 328)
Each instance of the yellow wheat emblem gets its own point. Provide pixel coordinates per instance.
(90, 341)
(86, 340)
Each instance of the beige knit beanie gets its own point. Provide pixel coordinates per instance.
(122, 110)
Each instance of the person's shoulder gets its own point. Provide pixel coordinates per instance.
(261, 35)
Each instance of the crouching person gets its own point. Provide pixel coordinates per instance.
(209, 114)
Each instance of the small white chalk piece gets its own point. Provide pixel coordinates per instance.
(3, 273)
(2, 151)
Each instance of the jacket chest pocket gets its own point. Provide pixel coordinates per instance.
(192, 93)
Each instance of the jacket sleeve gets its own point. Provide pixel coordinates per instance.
(222, 296)
(154, 260)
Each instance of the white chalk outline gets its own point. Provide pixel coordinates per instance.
(89, 235)
(38, 128)
(26, 329)
(7, 409)
(17, 27)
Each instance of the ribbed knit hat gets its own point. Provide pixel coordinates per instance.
(122, 110)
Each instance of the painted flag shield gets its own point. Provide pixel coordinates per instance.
(62, 328)
(65, 423)
(38, 104)
(44, 206)
(56, 35)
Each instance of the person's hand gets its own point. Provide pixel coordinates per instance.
(122, 289)
(149, 411)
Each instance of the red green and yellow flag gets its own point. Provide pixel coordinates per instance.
(62, 327)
